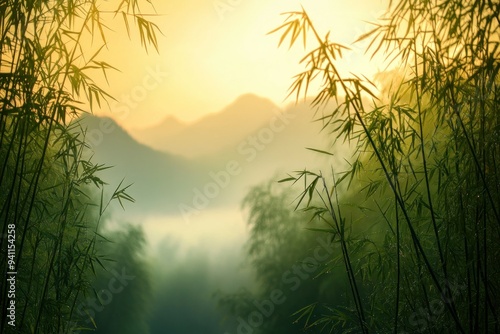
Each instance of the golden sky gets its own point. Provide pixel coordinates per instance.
(212, 51)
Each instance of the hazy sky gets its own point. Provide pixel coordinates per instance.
(212, 51)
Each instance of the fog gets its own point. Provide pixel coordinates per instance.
(189, 207)
(191, 197)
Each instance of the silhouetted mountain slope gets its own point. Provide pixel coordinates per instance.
(276, 147)
(160, 180)
(211, 133)
(156, 135)
(244, 153)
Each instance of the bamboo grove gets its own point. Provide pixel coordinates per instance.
(51, 197)
(421, 251)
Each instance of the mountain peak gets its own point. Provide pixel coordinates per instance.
(250, 97)
(246, 111)
(170, 123)
(212, 132)
(171, 119)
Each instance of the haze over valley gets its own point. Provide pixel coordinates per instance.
(240, 146)
(188, 181)
(249, 167)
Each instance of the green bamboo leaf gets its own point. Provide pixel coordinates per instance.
(322, 230)
(319, 151)
(288, 179)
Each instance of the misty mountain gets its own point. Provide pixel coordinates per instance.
(159, 134)
(251, 143)
(276, 147)
(159, 180)
(211, 133)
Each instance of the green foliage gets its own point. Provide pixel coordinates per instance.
(49, 191)
(292, 267)
(124, 284)
(425, 160)
(184, 299)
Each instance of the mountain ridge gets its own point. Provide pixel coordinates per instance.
(170, 183)
(159, 179)
(239, 118)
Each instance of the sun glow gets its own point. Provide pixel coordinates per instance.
(210, 52)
